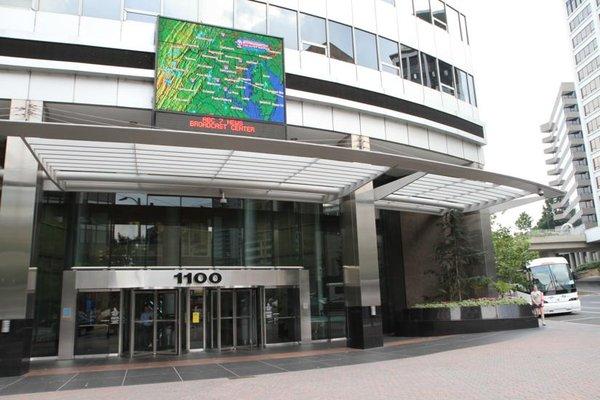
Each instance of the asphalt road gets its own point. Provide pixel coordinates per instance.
(590, 311)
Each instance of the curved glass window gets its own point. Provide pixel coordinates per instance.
(389, 55)
(366, 49)
(340, 42)
(284, 23)
(109, 9)
(250, 16)
(313, 34)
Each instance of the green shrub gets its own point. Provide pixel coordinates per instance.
(588, 266)
(474, 303)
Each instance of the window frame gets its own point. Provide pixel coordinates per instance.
(382, 63)
(297, 27)
(352, 44)
(376, 66)
(325, 46)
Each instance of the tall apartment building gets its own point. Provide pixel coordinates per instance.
(569, 171)
(584, 26)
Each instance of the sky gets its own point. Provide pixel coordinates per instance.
(521, 55)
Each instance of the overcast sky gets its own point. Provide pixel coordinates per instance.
(521, 55)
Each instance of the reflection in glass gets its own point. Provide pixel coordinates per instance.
(438, 10)
(59, 6)
(389, 56)
(250, 16)
(183, 9)
(430, 74)
(196, 319)
(472, 96)
(226, 332)
(137, 9)
(258, 233)
(144, 322)
(287, 234)
(166, 336)
(453, 21)
(16, 3)
(446, 77)
(313, 33)
(97, 328)
(166, 305)
(226, 303)
(110, 9)
(281, 315)
(411, 68)
(284, 23)
(340, 42)
(366, 49)
(462, 85)
(421, 9)
(217, 12)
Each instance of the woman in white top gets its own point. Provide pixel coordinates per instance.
(537, 302)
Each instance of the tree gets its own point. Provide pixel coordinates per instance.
(524, 222)
(512, 255)
(455, 256)
(546, 221)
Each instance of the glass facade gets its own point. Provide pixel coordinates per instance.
(97, 323)
(299, 30)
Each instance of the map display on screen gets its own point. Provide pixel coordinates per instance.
(219, 72)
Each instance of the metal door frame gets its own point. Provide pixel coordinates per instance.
(132, 321)
(256, 313)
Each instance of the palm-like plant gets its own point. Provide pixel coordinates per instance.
(455, 256)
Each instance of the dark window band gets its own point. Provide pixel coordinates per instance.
(145, 60)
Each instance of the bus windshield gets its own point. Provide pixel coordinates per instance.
(553, 278)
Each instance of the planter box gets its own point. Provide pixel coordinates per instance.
(450, 321)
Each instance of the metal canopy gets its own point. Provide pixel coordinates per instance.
(73, 164)
(114, 158)
(436, 193)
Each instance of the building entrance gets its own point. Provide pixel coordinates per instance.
(155, 323)
(234, 319)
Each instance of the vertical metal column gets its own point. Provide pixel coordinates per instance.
(361, 264)
(218, 293)
(17, 218)
(263, 321)
(121, 303)
(68, 306)
(132, 324)
(304, 294)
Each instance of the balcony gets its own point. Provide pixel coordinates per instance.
(575, 141)
(581, 168)
(552, 161)
(547, 127)
(571, 128)
(578, 155)
(555, 171)
(550, 138)
(557, 182)
(550, 150)
(571, 114)
(588, 211)
(569, 100)
(582, 182)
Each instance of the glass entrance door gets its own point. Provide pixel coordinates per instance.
(234, 322)
(154, 327)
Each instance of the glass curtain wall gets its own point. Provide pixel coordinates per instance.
(51, 256)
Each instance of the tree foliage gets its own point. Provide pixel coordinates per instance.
(455, 256)
(524, 222)
(512, 254)
(546, 221)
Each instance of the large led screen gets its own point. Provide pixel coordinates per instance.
(219, 72)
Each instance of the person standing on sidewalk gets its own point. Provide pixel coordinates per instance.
(537, 302)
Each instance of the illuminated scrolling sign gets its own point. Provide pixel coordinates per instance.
(233, 81)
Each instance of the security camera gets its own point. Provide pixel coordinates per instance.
(540, 192)
(223, 199)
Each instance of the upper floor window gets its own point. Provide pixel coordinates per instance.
(392, 2)
(313, 34)
(446, 77)
(430, 73)
(572, 5)
(142, 10)
(284, 23)
(389, 55)
(250, 16)
(422, 9)
(183, 9)
(366, 49)
(411, 67)
(438, 12)
(109, 9)
(63, 7)
(462, 84)
(579, 18)
(16, 3)
(340, 42)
